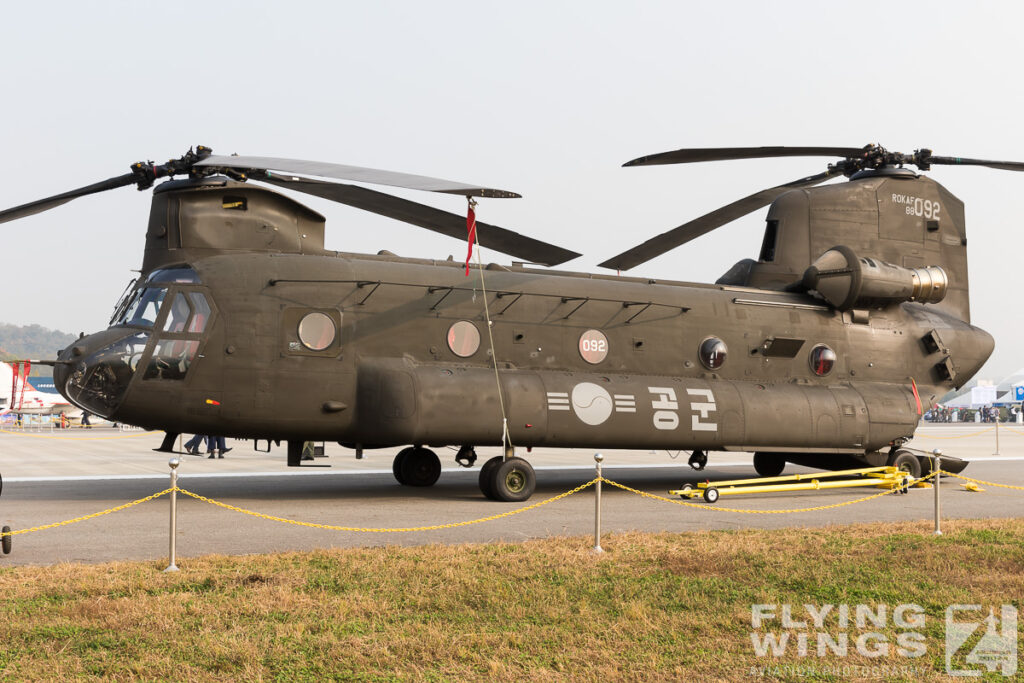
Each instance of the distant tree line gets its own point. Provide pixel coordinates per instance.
(32, 341)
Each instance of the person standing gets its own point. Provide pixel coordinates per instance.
(193, 445)
(215, 447)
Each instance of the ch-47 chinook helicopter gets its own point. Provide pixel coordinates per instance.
(821, 352)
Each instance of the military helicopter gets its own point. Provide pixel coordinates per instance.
(821, 352)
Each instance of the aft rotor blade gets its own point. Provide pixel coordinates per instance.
(41, 205)
(691, 155)
(656, 246)
(960, 161)
(453, 225)
(356, 173)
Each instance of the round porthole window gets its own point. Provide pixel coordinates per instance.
(317, 331)
(593, 346)
(713, 352)
(463, 338)
(823, 359)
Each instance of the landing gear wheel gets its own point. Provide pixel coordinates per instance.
(421, 467)
(513, 481)
(769, 464)
(906, 461)
(486, 478)
(684, 491)
(396, 465)
(6, 544)
(711, 494)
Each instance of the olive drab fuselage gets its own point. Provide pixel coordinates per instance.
(255, 331)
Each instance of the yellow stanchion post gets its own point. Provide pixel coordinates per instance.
(997, 435)
(173, 464)
(935, 484)
(597, 505)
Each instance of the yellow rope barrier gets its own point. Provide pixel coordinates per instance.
(1018, 433)
(756, 512)
(76, 438)
(333, 527)
(502, 515)
(92, 516)
(981, 481)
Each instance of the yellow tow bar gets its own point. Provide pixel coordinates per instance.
(878, 477)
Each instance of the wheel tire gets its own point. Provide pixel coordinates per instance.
(421, 467)
(907, 462)
(769, 464)
(926, 465)
(396, 465)
(711, 494)
(6, 544)
(487, 478)
(513, 481)
(685, 492)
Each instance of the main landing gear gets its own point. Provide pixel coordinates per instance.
(416, 466)
(507, 479)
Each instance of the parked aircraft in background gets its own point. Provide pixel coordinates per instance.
(19, 395)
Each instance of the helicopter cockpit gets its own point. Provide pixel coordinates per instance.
(159, 326)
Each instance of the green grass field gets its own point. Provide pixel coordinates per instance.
(652, 607)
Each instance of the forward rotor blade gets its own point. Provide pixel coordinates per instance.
(356, 173)
(453, 225)
(41, 205)
(687, 156)
(656, 246)
(960, 161)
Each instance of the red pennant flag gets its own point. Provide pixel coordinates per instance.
(471, 232)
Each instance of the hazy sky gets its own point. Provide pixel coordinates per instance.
(544, 98)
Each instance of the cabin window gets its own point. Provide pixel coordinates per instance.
(823, 359)
(713, 352)
(593, 346)
(771, 232)
(317, 331)
(463, 339)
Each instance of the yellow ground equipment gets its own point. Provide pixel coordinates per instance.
(879, 477)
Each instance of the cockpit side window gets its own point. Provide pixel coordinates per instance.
(202, 309)
(187, 316)
(177, 317)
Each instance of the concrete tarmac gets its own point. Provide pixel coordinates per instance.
(53, 476)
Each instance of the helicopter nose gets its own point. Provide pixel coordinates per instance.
(970, 347)
(94, 372)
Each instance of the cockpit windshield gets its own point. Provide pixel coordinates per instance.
(144, 307)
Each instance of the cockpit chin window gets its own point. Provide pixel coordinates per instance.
(98, 383)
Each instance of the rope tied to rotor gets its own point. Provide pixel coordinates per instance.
(474, 239)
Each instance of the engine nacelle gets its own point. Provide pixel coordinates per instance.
(846, 281)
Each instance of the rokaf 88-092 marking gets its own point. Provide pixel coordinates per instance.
(916, 206)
